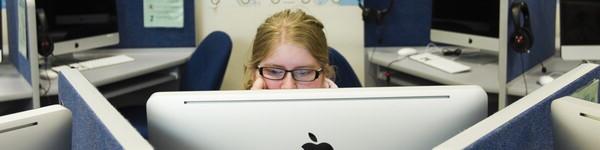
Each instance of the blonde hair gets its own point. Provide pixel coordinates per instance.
(293, 26)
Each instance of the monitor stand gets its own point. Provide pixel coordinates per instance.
(70, 58)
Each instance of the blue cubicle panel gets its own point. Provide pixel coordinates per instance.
(133, 34)
(96, 123)
(407, 23)
(532, 129)
(17, 57)
(542, 15)
(525, 124)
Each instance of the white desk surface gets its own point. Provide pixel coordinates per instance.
(147, 60)
(484, 69)
(12, 85)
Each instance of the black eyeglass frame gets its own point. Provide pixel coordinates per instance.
(317, 73)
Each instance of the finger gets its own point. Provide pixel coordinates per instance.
(259, 83)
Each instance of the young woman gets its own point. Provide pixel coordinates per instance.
(289, 51)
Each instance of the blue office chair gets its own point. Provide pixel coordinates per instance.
(204, 71)
(206, 67)
(344, 74)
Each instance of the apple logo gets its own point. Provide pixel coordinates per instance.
(313, 146)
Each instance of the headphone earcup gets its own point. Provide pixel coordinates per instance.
(365, 13)
(522, 40)
(377, 15)
(45, 45)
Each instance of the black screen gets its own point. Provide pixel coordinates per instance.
(73, 19)
(580, 22)
(477, 17)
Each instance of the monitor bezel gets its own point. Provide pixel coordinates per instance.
(87, 43)
(177, 106)
(466, 40)
(485, 43)
(574, 51)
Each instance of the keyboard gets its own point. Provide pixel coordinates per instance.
(95, 63)
(440, 63)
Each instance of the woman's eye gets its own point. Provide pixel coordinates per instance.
(302, 72)
(274, 71)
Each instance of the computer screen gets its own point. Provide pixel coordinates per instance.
(467, 23)
(344, 118)
(76, 25)
(579, 29)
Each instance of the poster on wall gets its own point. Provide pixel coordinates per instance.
(163, 13)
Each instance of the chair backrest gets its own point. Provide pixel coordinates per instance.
(96, 123)
(344, 74)
(206, 67)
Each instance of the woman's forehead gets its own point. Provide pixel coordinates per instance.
(289, 56)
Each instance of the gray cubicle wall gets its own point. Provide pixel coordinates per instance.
(96, 123)
(17, 51)
(21, 27)
(527, 123)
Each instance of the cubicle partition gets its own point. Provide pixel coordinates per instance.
(527, 123)
(21, 48)
(96, 123)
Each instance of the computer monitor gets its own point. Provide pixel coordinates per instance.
(76, 25)
(576, 123)
(579, 29)
(466, 23)
(44, 128)
(345, 118)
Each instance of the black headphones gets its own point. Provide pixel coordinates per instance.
(521, 38)
(377, 14)
(45, 44)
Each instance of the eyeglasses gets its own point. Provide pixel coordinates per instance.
(304, 75)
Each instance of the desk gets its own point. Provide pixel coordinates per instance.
(147, 60)
(12, 84)
(484, 69)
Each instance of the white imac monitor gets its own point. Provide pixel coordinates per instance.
(466, 23)
(579, 29)
(344, 118)
(43, 128)
(576, 123)
(77, 25)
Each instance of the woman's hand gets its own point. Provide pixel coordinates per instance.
(259, 83)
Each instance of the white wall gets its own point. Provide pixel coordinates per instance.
(240, 18)
(4, 33)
